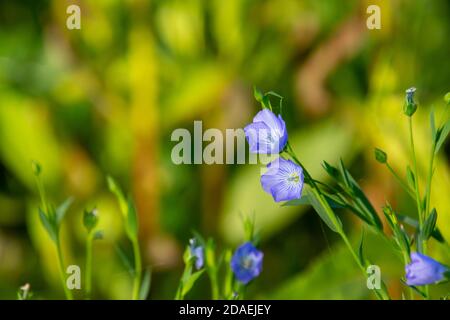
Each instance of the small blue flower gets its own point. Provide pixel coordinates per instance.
(246, 262)
(197, 252)
(423, 270)
(267, 133)
(283, 180)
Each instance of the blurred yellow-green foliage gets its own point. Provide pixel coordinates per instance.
(105, 99)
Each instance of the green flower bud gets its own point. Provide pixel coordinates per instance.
(90, 219)
(380, 155)
(36, 167)
(410, 107)
(257, 94)
(447, 98)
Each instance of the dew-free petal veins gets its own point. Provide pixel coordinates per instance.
(283, 180)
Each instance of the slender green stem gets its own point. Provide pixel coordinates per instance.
(406, 260)
(401, 182)
(88, 274)
(331, 215)
(42, 194)
(214, 286)
(416, 176)
(422, 215)
(178, 295)
(228, 279)
(430, 177)
(62, 272)
(186, 272)
(137, 269)
(427, 199)
(239, 289)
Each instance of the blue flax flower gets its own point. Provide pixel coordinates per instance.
(267, 133)
(197, 252)
(423, 270)
(283, 180)
(246, 262)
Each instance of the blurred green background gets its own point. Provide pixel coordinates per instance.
(105, 100)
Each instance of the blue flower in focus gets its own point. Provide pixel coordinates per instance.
(423, 270)
(267, 133)
(246, 262)
(197, 252)
(283, 180)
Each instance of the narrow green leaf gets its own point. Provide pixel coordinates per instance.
(436, 234)
(433, 126)
(126, 260)
(334, 201)
(365, 203)
(146, 283)
(274, 94)
(132, 221)
(443, 133)
(403, 239)
(417, 290)
(115, 189)
(363, 208)
(265, 103)
(249, 227)
(297, 202)
(429, 225)
(228, 279)
(410, 177)
(322, 212)
(344, 173)
(189, 283)
(62, 210)
(48, 225)
(361, 250)
(332, 171)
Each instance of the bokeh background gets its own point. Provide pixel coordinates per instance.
(105, 100)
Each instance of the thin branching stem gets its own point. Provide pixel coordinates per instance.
(62, 271)
(137, 269)
(315, 189)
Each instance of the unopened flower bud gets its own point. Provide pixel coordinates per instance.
(410, 106)
(380, 155)
(90, 219)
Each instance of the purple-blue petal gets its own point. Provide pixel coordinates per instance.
(423, 270)
(267, 133)
(197, 252)
(257, 136)
(277, 180)
(246, 262)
